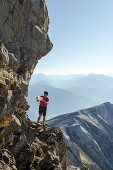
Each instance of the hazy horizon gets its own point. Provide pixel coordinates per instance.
(36, 72)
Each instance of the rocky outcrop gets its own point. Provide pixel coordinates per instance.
(40, 149)
(88, 136)
(23, 41)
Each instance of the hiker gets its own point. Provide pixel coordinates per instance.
(43, 106)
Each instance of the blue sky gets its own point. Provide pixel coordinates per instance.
(82, 34)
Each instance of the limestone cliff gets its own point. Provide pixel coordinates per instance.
(23, 41)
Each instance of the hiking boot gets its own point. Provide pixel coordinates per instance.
(44, 125)
(39, 124)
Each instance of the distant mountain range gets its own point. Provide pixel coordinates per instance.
(68, 93)
(96, 87)
(88, 135)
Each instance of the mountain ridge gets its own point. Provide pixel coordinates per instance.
(91, 130)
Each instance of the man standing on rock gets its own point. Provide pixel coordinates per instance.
(43, 106)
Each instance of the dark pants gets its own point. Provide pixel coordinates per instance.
(42, 110)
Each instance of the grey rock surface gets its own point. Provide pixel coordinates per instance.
(88, 136)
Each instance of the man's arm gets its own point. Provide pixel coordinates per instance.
(45, 101)
(48, 101)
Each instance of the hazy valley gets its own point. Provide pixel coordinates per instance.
(68, 93)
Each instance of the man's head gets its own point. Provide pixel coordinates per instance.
(45, 93)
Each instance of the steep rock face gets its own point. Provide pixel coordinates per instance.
(23, 30)
(23, 41)
(88, 136)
